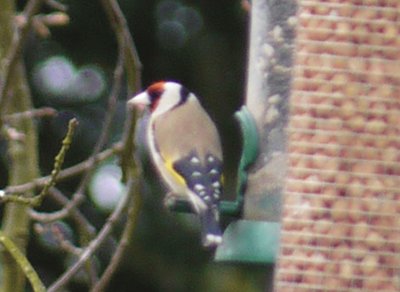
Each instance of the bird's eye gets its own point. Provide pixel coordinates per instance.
(155, 99)
(155, 91)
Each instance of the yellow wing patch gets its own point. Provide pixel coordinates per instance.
(179, 179)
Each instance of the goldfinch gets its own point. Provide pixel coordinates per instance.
(186, 150)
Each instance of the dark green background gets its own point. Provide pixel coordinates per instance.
(166, 254)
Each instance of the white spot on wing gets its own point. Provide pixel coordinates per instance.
(211, 159)
(198, 187)
(213, 171)
(216, 184)
(196, 173)
(195, 160)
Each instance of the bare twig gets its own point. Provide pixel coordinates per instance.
(41, 23)
(133, 69)
(34, 113)
(66, 173)
(14, 51)
(75, 214)
(93, 246)
(70, 205)
(133, 65)
(57, 5)
(23, 263)
(133, 215)
(87, 230)
(126, 155)
(58, 235)
(59, 160)
(112, 103)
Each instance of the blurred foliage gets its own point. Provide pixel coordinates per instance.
(201, 44)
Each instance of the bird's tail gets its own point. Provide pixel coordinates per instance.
(210, 230)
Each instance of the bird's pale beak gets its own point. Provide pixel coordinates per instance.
(139, 101)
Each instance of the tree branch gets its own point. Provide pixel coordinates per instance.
(57, 5)
(133, 65)
(23, 167)
(93, 245)
(58, 161)
(70, 206)
(133, 215)
(133, 69)
(23, 263)
(66, 173)
(34, 113)
(14, 52)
